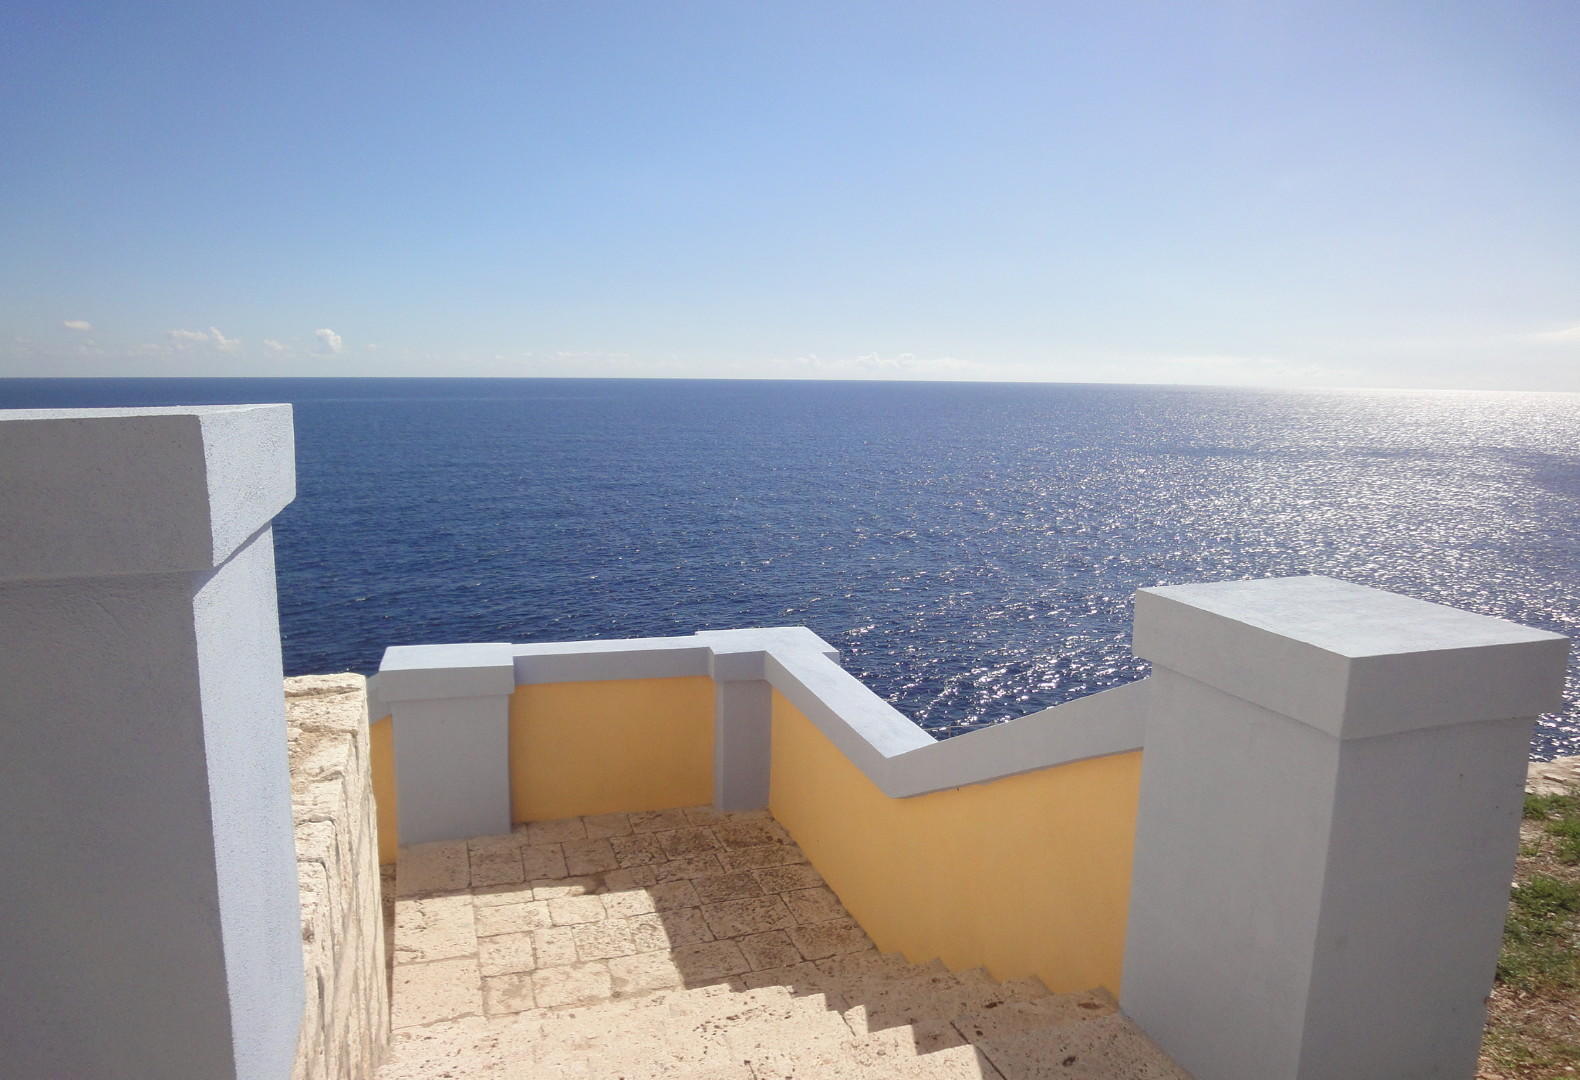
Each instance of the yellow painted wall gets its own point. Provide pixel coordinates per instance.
(619, 745)
(1027, 875)
(381, 759)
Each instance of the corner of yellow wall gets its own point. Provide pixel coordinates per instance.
(381, 762)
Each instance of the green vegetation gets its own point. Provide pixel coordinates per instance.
(1538, 939)
(1531, 1032)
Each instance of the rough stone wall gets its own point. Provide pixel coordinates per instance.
(345, 1023)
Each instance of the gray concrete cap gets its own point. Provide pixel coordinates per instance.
(738, 655)
(1352, 661)
(430, 672)
(104, 492)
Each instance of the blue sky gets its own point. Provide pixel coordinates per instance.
(1248, 192)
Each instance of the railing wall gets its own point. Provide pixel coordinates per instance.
(1008, 848)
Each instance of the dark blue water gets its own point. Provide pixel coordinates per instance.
(970, 548)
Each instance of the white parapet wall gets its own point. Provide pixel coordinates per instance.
(448, 704)
(150, 890)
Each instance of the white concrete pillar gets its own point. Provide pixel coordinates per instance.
(742, 743)
(450, 706)
(149, 918)
(743, 708)
(1330, 799)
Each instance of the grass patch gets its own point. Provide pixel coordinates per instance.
(1531, 1030)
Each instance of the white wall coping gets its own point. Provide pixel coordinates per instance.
(1350, 660)
(897, 755)
(431, 672)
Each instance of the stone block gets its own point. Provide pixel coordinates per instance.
(772, 949)
(571, 910)
(441, 990)
(787, 878)
(505, 954)
(589, 856)
(708, 961)
(602, 940)
(494, 919)
(555, 832)
(575, 984)
(554, 947)
(440, 866)
(752, 915)
(658, 821)
(434, 928)
(814, 905)
(507, 993)
(494, 860)
(543, 861)
(607, 825)
(717, 888)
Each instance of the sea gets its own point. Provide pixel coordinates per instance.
(970, 548)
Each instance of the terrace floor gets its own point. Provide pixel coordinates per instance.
(696, 944)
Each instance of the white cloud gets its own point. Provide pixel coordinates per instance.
(331, 340)
(185, 339)
(275, 346)
(1568, 336)
(370, 347)
(77, 324)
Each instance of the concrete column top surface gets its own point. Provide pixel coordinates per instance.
(1350, 660)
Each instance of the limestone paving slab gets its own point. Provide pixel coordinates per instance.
(736, 885)
(607, 825)
(542, 861)
(688, 868)
(790, 878)
(491, 919)
(574, 984)
(434, 928)
(753, 915)
(589, 856)
(678, 843)
(696, 944)
(438, 990)
(637, 850)
(658, 821)
(753, 858)
(814, 906)
(555, 832)
(441, 866)
(506, 954)
(494, 860)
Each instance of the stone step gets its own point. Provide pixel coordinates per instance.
(1107, 1047)
(1013, 1017)
(935, 998)
(504, 973)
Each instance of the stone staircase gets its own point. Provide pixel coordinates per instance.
(692, 944)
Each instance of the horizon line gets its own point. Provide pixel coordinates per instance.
(1300, 388)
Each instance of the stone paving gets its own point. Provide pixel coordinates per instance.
(696, 944)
